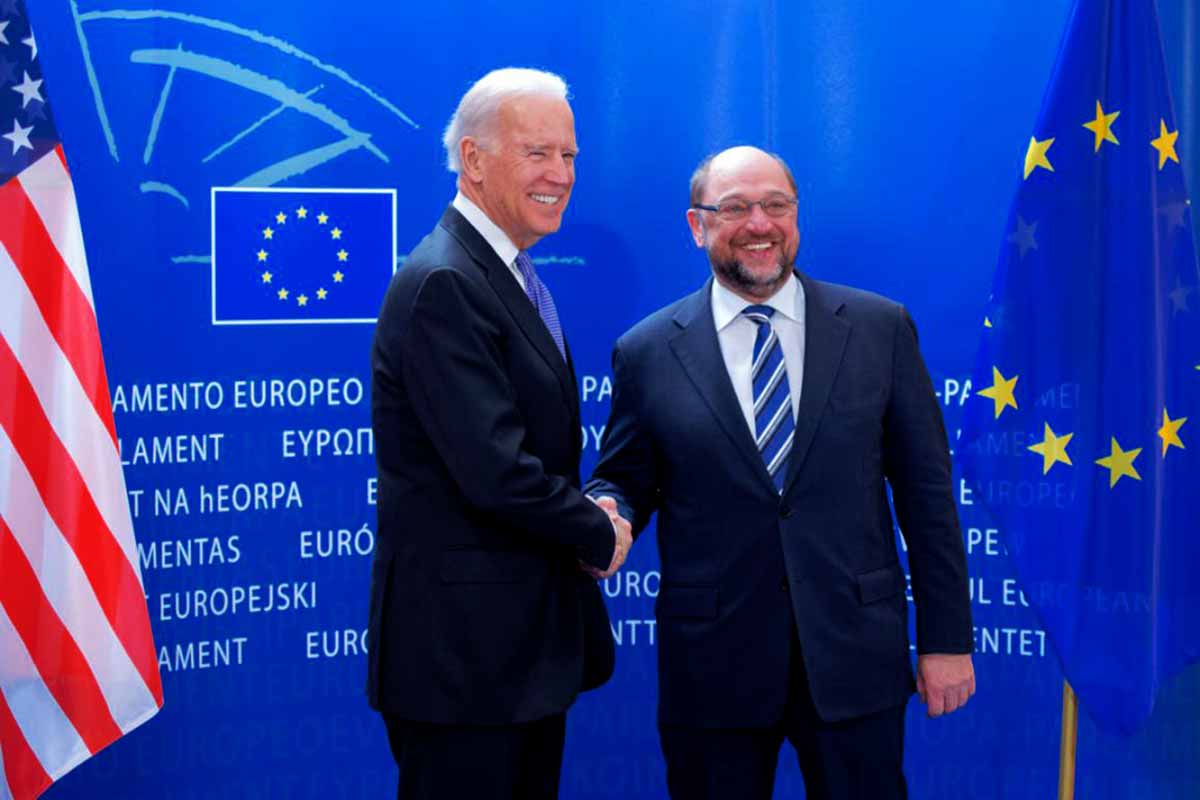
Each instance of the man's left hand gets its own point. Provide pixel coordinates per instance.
(945, 681)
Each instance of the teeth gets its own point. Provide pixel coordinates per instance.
(548, 199)
(758, 246)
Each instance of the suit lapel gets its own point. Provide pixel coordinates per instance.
(573, 392)
(699, 352)
(825, 335)
(511, 295)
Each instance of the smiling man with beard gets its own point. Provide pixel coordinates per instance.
(763, 418)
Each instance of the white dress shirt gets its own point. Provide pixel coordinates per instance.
(491, 233)
(736, 335)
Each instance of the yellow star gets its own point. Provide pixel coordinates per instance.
(1053, 449)
(342, 255)
(1101, 126)
(282, 293)
(262, 255)
(987, 323)
(1165, 144)
(301, 212)
(322, 218)
(337, 277)
(336, 233)
(1120, 463)
(268, 233)
(321, 294)
(1035, 156)
(1001, 391)
(266, 277)
(1169, 432)
(301, 300)
(281, 217)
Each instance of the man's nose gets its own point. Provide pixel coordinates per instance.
(758, 219)
(559, 170)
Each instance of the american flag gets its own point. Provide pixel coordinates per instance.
(77, 661)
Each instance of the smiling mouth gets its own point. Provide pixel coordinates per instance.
(546, 199)
(756, 246)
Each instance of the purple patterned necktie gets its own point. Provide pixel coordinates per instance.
(539, 295)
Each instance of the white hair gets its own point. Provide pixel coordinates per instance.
(477, 109)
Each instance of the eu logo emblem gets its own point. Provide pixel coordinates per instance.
(301, 256)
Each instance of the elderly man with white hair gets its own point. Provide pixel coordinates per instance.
(486, 620)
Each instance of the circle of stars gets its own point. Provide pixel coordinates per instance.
(263, 255)
(1119, 461)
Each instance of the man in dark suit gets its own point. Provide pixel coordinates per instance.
(484, 622)
(760, 418)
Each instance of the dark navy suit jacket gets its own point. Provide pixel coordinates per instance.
(744, 568)
(479, 613)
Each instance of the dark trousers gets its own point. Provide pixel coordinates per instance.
(505, 762)
(855, 759)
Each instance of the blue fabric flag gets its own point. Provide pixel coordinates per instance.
(1082, 439)
(287, 256)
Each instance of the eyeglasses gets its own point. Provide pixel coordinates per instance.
(736, 210)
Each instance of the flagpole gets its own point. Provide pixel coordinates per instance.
(1066, 747)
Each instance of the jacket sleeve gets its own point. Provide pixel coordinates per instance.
(917, 465)
(627, 470)
(460, 390)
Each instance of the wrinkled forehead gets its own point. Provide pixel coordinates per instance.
(751, 175)
(534, 116)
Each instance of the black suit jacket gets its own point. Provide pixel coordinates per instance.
(479, 611)
(743, 566)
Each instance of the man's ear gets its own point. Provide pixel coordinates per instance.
(696, 223)
(470, 155)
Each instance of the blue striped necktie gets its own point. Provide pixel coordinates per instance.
(774, 426)
(539, 295)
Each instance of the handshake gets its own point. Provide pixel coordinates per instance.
(622, 532)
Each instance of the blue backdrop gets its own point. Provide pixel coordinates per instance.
(249, 460)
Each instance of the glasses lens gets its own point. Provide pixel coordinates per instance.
(733, 210)
(777, 206)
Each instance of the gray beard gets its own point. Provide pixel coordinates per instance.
(738, 276)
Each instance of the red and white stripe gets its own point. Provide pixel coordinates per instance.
(77, 659)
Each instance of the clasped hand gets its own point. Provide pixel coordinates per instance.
(622, 533)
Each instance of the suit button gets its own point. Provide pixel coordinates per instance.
(783, 584)
(785, 511)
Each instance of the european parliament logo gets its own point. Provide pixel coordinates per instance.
(301, 256)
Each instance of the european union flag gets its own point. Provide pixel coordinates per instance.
(287, 256)
(1076, 440)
